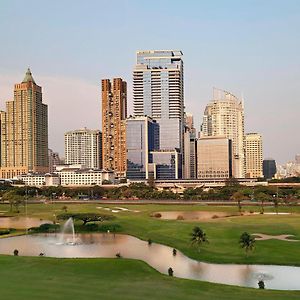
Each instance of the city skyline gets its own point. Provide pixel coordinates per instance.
(263, 65)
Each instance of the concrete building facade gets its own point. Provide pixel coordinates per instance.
(114, 113)
(254, 155)
(224, 116)
(84, 147)
(214, 158)
(24, 131)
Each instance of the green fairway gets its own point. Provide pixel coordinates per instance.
(223, 233)
(126, 279)
(45, 278)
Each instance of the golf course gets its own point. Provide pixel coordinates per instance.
(112, 278)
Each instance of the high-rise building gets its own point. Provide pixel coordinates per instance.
(114, 112)
(158, 93)
(224, 116)
(84, 147)
(214, 158)
(189, 143)
(24, 131)
(54, 160)
(269, 168)
(254, 155)
(142, 136)
(193, 157)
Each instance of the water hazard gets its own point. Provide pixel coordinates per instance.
(158, 256)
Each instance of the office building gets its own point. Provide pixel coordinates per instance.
(269, 168)
(189, 143)
(254, 155)
(224, 116)
(214, 158)
(24, 131)
(142, 136)
(158, 93)
(84, 147)
(54, 160)
(114, 113)
(165, 164)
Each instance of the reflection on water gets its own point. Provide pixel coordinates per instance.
(158, 256)
(21, 222)
(192, 215)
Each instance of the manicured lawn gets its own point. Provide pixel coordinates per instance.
(223, 233)
(45, 278)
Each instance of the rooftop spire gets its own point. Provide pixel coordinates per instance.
(28, 77)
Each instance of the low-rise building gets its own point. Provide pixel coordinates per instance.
(36, 179)
(84, 177)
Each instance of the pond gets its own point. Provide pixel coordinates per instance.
(158, 256)
(21, 222)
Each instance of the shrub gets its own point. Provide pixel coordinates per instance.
(180, 218)
(157, 215)
(4, 232)
(16, 252)
(170, 272)
(45, 228)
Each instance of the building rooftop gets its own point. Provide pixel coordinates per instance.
(28, 77)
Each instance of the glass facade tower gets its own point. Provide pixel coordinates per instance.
(158, 93)
(142, 136)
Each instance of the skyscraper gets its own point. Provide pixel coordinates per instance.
(142, 136)
(24, 131)
(84, 147)
(158, 93)
(189, 142)
(224, 116)
(114, 112)
(269, 168)
(254, 155)
(54, 160)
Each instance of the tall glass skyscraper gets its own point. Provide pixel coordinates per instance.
(158, 93)
(142, 136)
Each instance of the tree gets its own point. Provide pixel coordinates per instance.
(86, 217)
(238, 196)
(276, 204)
(262, 197)
(247, 242)
(198, 237)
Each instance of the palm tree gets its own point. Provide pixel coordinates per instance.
(247, 242)
(198, 237)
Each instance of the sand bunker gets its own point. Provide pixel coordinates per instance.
(117, 209)
(192, 215)
(281, 237)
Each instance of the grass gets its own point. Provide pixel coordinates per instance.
(223, 233)
(96, 277)
(76, 279)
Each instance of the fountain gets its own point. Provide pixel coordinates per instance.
(67, 230)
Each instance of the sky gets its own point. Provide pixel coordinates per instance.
(250, 48)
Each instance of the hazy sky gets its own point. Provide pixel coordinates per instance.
(251, 48)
